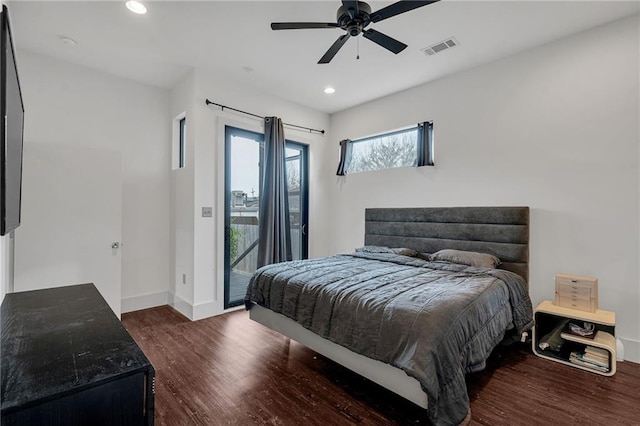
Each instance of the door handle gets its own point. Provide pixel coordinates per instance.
(304, 229)
(115, 245)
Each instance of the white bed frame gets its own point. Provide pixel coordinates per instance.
(383, 374)
(502, 231)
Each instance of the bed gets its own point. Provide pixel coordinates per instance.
(407, 321)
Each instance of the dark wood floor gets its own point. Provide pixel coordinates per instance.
(228, 370)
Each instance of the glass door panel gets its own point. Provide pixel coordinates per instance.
(244, 151)
(242, 204)
(297, 190)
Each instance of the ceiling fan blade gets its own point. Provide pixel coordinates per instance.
(301, 25)
(334, 49)
(385, 41)
(351, 7)
(398, 8)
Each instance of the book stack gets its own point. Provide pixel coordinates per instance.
(592, 357)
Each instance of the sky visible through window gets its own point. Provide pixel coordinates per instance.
(245, 159)
(245, 167)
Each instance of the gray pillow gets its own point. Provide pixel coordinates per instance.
(381, 249)
(470, 258)
(404, 251)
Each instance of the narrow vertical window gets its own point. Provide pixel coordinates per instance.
(181, 141)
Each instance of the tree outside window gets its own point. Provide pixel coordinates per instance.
(397, 149)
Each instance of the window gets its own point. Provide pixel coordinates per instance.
(402, 148)
(182, 126)
(387, 151)
(179, 141)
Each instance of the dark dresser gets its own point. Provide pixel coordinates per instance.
(67, 360)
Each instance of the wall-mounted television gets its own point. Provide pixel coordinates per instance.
(11, 133)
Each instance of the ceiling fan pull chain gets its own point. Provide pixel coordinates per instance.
(358, 48)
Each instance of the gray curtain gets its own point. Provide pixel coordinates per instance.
(274, 224)
(425, 144)
(345, 157)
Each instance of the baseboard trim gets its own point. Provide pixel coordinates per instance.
(631, 349)
(195, 312)
(181, 305)
(206, 310)
(145, 301)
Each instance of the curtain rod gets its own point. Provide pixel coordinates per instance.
(208, 102)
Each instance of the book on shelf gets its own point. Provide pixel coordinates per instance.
(578, 359)
(595, 358)
(588, 365)
(602, 362)
(596, 351)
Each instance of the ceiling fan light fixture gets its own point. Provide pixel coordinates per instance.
(329, 90)
(136, 7)
(353, 17)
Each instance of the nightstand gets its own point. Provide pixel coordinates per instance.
(548, 316)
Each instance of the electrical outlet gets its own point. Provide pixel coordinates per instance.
(184, 278)
(207, 212)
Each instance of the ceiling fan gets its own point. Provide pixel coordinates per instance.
(354, 17)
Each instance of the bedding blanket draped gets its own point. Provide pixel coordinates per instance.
(434, 320)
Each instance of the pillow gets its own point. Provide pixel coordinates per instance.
(424, 256)
(404, 251)
(381, 249)
(470, 258)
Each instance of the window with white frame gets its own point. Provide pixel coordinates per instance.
(182, 138)
(179, 142)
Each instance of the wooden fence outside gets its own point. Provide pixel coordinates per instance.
(246, 234)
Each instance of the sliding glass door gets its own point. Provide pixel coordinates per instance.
(244, 152)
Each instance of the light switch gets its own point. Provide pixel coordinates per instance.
(207, 212)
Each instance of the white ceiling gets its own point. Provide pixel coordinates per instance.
(224, 37)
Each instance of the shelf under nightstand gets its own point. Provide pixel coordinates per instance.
(547, 316)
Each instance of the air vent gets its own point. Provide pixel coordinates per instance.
(440, 46)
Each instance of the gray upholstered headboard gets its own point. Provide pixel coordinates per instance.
(501, 231)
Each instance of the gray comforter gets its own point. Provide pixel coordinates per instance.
(434, 320)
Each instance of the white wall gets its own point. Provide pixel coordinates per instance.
(554, 128)
(205, 158)
(183, 101)
(72, 105)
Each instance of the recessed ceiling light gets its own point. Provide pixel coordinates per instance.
(329, 90)
(136, 7)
